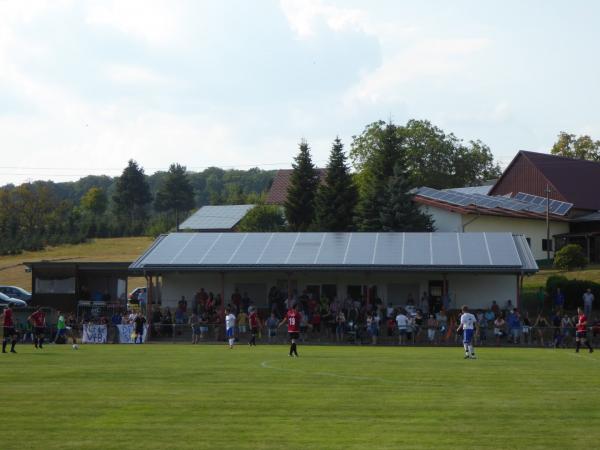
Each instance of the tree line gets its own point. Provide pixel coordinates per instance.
(42, 213)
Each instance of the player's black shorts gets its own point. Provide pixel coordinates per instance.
(581, 334)
(9, 331)
(254, 331)
(294, 335)
(38, 330)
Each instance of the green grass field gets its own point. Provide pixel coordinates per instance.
(195, 397)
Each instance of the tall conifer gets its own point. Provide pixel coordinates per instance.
(299, 205)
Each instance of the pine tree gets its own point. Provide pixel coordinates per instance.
(176, 193)
(387, 149)
(131, 197)
(399, 212)
(337, 196)
(299, 205)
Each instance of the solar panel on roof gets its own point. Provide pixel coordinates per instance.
(216, 217)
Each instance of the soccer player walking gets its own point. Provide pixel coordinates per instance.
(8, 324)
(581, 331)
(467, 325)
(293, 318)
(230, 327)
(38, 318)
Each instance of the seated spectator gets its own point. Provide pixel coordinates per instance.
(482, 323)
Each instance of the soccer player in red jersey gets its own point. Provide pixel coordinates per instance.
(293, 318)
(38, 318)
(9, 330)
(255, 324)
(581, 331)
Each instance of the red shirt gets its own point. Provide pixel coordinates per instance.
(253, 318)
(8, 318)
(582, 323)
(38, 318)
(293, 319)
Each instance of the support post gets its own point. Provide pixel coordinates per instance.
(149, 298)
(223, 294)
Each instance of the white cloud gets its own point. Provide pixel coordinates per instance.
(156, 22)
(129, 74)
(429, 58)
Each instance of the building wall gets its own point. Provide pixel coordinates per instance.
(443, 220)
(533, 229)
(474, 290)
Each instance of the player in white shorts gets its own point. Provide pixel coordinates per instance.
(230, 327)
(467, 325)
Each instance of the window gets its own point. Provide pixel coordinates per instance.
(547, 245)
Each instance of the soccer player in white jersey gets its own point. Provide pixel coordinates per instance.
(230, 327)
(467, 325)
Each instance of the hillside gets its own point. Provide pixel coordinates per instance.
(12, 270)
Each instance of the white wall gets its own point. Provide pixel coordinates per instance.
(474, 290)
(534, 229)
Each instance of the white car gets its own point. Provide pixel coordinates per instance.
(16, 292)
(5, 300)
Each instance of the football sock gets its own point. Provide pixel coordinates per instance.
(471, 349)
(466, 346)
(577, 345)
(294, 349)
(12, 345)
(41, 342)
(253, 340)
(588, 345)
(4, 342)
(231, 342)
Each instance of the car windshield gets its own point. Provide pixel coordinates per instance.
(4, 297)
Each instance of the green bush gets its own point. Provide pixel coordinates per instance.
(572, 289)
(570, 257)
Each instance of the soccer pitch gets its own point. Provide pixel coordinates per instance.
(207, 396)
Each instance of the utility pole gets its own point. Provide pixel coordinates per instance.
(548, 222)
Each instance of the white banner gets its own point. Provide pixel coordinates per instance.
(126, 333)
(94, 334)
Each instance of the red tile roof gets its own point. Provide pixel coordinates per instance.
(577, 181)
(278, 191)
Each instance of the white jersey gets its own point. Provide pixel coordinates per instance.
(229, 321)
(401, 321)
(467, 321)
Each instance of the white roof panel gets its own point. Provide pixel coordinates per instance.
(217, 217)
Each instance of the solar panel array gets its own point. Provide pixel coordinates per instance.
(332, 250)
(521, 202)
(555, 206)
(216, 217)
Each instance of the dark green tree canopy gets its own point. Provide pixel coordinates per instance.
(299, 205)
(571, 146)
(131, 197)
(399, 212)
(337, 196)
(175, 194)
(95, 201)
(263, 218)
(431, 157)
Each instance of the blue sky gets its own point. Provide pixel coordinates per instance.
(87, 85)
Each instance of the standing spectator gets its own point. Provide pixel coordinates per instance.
(139, 323)
(245, 301)
(559, 300)
(236, 299)
(372, 328)
(203, 322)
(142, 300)
(242, 321)
(588, 301)
(315, 320)
(38, 318)
(115, 321)
(541, 325)
(432, 326)
(340, 326)
(514, 325)
(566, 324)
(446, 301)
(499, 325)
(60, 328)
(424, 303)
(495, 309)
(402, 324)
(195, 325)
(541, 298)
(73, 328)
(482, 323)
(272, 324)
(419, 322)
(442, 320)
(526, 329)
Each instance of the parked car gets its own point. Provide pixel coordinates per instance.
(133, 295)
(5, 300)
(16, 292)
